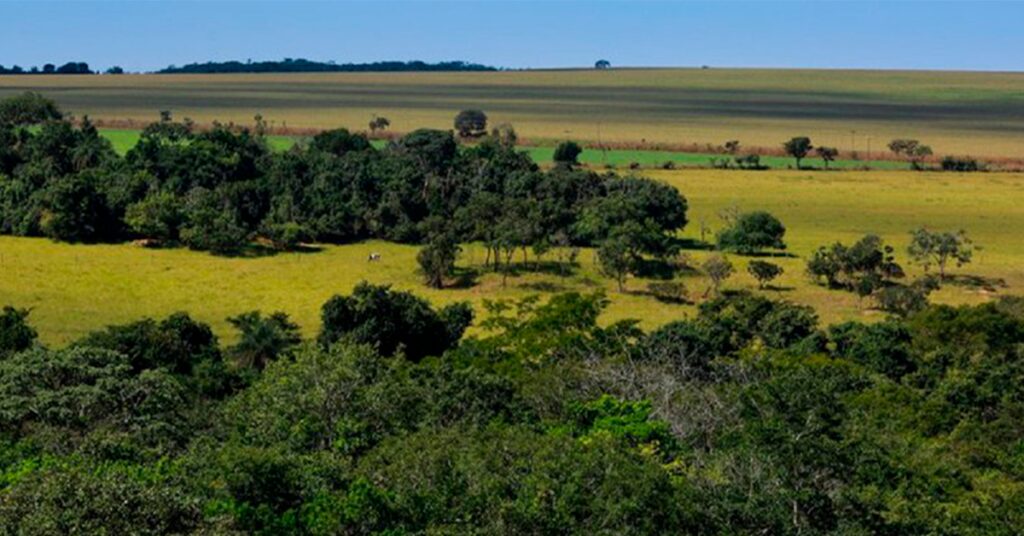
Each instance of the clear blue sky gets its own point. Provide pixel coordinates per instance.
(151, 35)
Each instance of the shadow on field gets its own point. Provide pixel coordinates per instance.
(977, 282)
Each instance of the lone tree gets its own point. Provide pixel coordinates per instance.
(718, 269)
(567, 153)
(764, 272)
(751, 232)
(379, 123)
(471, 123)
(912, 150)
(928, 248)
(437, 259)
(798, 148)
(827, 154)
(602, 64)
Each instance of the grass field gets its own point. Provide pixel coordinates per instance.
(956, 112)
(75, 288)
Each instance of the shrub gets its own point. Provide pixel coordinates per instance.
(764, 272)
(669, 291)
(15, 333)
(471, 123)
(963, 164)
(752, 232)
(567, 153)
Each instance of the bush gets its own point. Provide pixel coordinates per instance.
(471, 123)
(752, 232)
(764, 272)
(902, 300)
(963, 164)
(669, 291)
(15, 333)
(567, 153)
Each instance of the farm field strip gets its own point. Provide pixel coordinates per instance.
(980, 114)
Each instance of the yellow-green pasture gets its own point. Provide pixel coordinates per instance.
(76, 288)
(975, 113)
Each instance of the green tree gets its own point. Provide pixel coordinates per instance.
(158, 216)
(930, 248)
(28, 108)
(393, 320)
(567, 153)
(15, 332)
(262, 340)
(437, 259)
(798, 148)
(718, 269)
(471, 123)
(764, 272)
(913, 150)
(753, 232)
(827, 154)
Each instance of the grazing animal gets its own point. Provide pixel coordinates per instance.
(373, 257)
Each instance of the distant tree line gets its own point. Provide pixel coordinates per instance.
(300, 65)
(71, 67)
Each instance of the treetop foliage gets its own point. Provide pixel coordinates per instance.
(747, 418)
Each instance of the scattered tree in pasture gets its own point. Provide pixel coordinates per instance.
(437, 259)
(961, 164)
(379, 123)
(718, 269)
(752, 232)
(827, 154)
(863, 267)
(939, 249)
(911, 149)
(798, 148)
(567, 153)
(764, 272)
(471, 123)
(505, 135)
(262, 340)
(602, 64)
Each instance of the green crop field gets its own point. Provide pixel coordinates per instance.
(981, 114)
(76, 288)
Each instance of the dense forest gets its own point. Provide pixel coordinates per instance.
(300, 65)
(748, 419)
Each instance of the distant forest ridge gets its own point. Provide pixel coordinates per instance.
(71, 67)
(289, 65)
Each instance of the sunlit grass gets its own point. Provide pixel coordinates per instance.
(76, 288)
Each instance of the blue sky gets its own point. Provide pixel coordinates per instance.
(151, 35)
